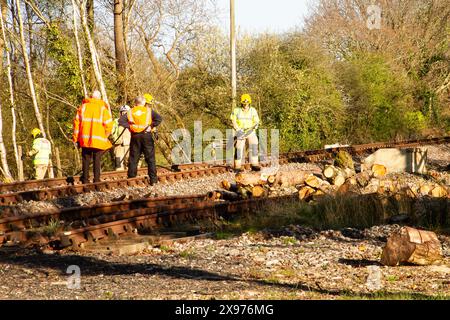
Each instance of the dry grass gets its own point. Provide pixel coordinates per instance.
(343, 211)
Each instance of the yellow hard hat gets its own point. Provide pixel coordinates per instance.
(245, 98)
(148, 98)
(35, 132)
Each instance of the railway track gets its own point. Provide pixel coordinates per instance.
(71, 190)
(94, 223)
(57, 188)
(322, 154)
(107, 176)
(78, 225)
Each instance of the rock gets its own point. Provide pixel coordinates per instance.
(398, 160)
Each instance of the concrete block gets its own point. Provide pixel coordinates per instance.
(411, 160)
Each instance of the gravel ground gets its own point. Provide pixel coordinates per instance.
(439, 157)
(293, 263)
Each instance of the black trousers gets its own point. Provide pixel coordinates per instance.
(142, 143)
(89, 154)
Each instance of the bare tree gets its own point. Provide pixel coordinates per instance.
(92, 48)
(10, 82)
(26, 59)
(77, 42)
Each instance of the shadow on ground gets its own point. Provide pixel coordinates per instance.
(92, 266)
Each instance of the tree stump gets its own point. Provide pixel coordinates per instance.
(414, 246)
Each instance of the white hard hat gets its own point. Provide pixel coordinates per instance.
(124, 108)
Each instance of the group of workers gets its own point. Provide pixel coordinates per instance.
(132, 134)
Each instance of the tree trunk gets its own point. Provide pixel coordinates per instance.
(28, 69)
(10, 82)
(119, 44)
(291, 178)
(89, 14)
(93, 51)
(412, 246)
(3, 157)
(77, 41)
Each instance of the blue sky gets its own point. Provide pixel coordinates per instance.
(256, 16)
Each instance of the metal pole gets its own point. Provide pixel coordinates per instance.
(233, 53)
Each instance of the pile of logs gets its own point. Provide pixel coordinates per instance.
(339, 178)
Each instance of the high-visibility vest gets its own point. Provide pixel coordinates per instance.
(140, 119)
(93, 124)
(245, 119)
(43, 148)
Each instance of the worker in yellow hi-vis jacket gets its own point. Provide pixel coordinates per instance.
(40, 151)
(245, 121)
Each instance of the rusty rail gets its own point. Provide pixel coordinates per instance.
(114, 220)
(109, 175)
(322, 154)
(64, 191)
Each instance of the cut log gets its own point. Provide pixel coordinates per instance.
(245, 192)
(271, 179)
(378, 170)
(292, 178)
(338, 180)
(306, 193)
(363, 178)
(228, 195)
(313, 181)
(414, 246)
(329, 172)
(225, 184)
(349, 172)
(336, 175)
(258, 192)
(352, 181)
(249, 179)
(439, 192)
(425, 189)
(213, 195)
(348, 187)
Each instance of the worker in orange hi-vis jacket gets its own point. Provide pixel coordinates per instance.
(91, 128)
